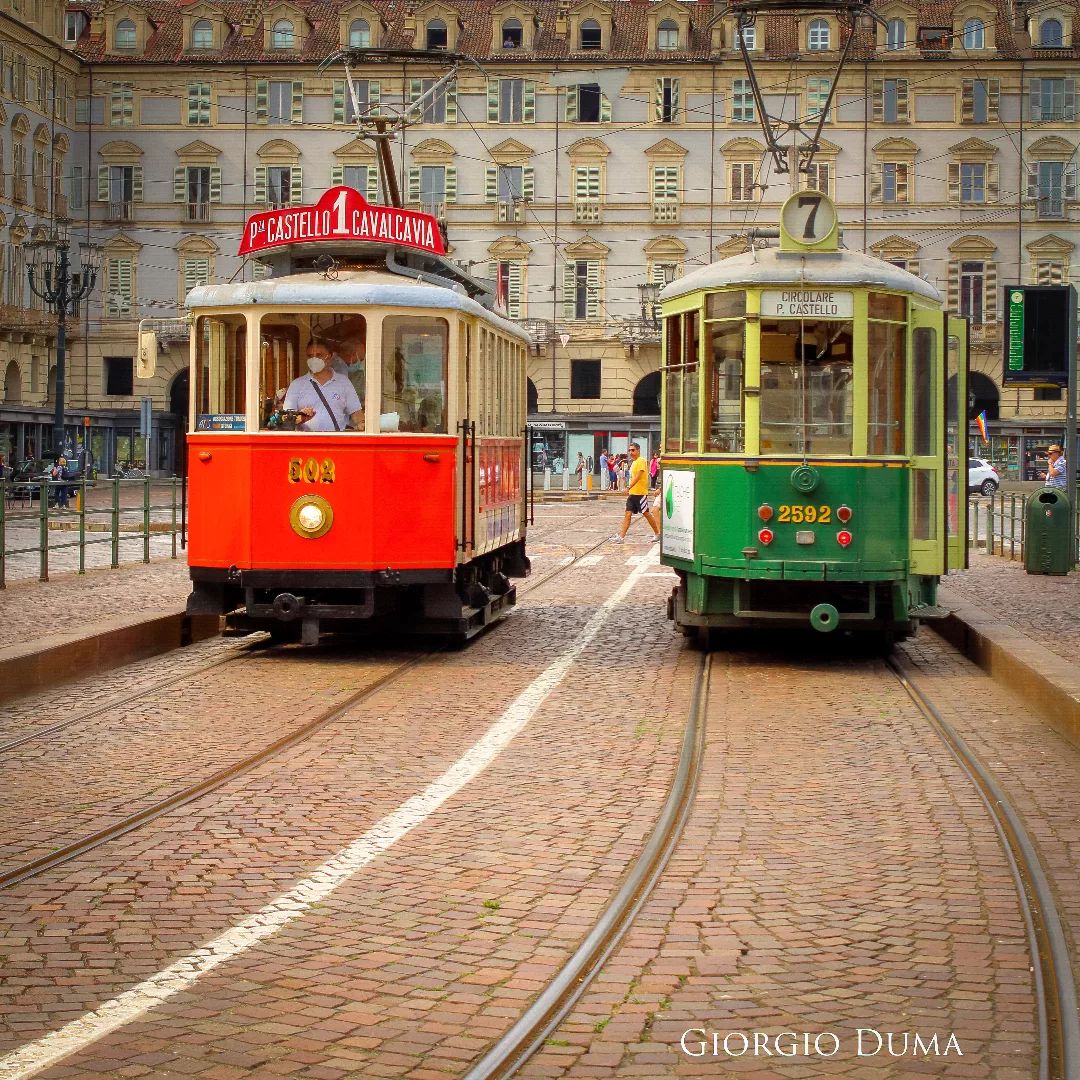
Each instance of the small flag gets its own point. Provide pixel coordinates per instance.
(980, 420)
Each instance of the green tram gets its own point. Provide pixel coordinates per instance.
(814, 450)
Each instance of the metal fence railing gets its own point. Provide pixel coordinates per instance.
(135, 518)
(997, 524)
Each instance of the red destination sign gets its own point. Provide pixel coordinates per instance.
(342, 214)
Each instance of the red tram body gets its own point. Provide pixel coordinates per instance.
(412, 514)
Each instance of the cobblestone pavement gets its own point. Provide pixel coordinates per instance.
(1046, 609)
(413, 963)
(838, 872)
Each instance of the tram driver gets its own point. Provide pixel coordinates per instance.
(325, 398)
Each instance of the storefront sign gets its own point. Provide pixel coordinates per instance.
(220, 422)
(341, 214)
(677, 514)
(806, 304)
(547, 425)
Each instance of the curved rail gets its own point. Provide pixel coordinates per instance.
(1055, 990)
(528, 1033)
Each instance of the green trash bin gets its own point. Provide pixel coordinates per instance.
(1048, 535)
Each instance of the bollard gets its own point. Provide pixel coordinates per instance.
(146, 519)
(80, 503)
(565, 480)
(547, 479)
(589, 483)
(115, 522)
(43, 538)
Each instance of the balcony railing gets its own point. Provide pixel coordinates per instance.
(509, 210)
(436, 209)
(587, 211)
(120, 211)
(665, 211)
(197, 211)
(1050, 206)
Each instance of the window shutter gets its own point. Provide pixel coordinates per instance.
(901, 101)
(993, 95)
(658, 103)
(569, 290)
(967, 101)
(513, 299)
(262, 101)
(103, 183)
(451, 103)
(674, 101)
(1035, 99)
(902, 182)
(1070, 182)
(1033, 180)
(296, 185)
(528, 103)
(528, 183)
(297, 116)
(605, 109)
(1070, 100)
(879, 101)
(954, 181)
(179, 184)
(491, 183)
(592, 282)
(337, 175)
(193, 103)
(196, 272)
(875, 182)
(952, 299)
(413, 187)
(991, 285)
(136, 183)
(571, 104)
(450, 183)
(260, 183)
(993, 183)
(493, 101)
(415, 90)
(581, 182)
(339, 101)
(372, 183)
(124, 283)
(736, 184)
(374, 94)
(215, 183)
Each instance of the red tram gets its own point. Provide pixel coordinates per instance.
(356, 451)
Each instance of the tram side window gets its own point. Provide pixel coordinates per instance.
(923, 385)
(806, 386)
(220, 399)
(954, 433)
(415, 350)
(691, 393)
(673, 376)
(888, 362)
(312, 372)
(725, 387)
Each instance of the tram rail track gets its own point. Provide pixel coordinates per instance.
(1055, 989)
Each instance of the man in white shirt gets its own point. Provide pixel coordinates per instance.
(326, 399)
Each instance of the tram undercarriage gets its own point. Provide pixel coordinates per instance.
(300, 605)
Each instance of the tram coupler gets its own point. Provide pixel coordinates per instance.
(288, 607)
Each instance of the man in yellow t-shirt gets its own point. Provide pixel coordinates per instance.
(637, 499)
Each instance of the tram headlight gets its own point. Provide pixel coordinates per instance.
(843, 538)
(311, 516)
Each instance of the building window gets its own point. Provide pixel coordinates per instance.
(742, 102)
(667, 100)
(590, 34)
(118, 288)
(972, 182)
(581, 283)
(508, 278)
(359, 34)
(1053, 99)
(1051, 35)
(1051, 184)
(122, 105)
(280, 102)
(119, 376)
(436, 36)
(817, 94)
(121, 191)
(587, 193)
(749, 37)
(1050, 272)
(362, 178)
(198, 104)
(973, 291)
(279, 186)
(818, 36)
(511, 101)
(667, 35)
(195, 272)
(894, 100)
(76, 188)
(434, 107)
(979, 100)
(512, 37)
(894, 182)
(819, 177)
(125, 34)
(75, 24)
(665, 194)
(742, 181)
(895, 35)
(1049, 393)
(589, 100)
(197, 197)
(584, 378)
(974, 34)
(202, 35)
(433, 189)
(281, 37)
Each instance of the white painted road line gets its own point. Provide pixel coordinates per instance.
(134, 1003)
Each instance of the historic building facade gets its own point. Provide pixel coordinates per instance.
(589, 150)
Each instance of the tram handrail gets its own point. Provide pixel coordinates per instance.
(110, 523)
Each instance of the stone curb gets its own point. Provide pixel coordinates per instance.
(62, 658)
(1046, 682)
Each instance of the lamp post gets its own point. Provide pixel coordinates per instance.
(52, 278)
(649, 293)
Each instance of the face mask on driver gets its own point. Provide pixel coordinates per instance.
(315, 364)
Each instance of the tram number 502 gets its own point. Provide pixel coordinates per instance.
(809, 217)
(311, 471)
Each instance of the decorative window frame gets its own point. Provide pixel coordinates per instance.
(662, 250)
(962, 14)
(1063, 16)
(742, 151)
(1050, 249)
(194, 247)
(524, 15)
(588, 249)
(434, 152)
(834, 31)
(219, 27)
(361, 11)
(301, 29)
(583, 13)
(668, 11)
(120, 246)
(974, 151)
(894, 151)
(512, 249)
(973, 248)
(118, 15)
(422, 16)
(898, 248)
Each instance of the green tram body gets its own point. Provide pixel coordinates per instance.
(803, 384)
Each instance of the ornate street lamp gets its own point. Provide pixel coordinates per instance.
(62, 289)
(650, 297)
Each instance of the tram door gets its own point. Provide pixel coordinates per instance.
(956, 444)
(927, 444)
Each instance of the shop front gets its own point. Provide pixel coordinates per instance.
(556, 442)
(1018, 452)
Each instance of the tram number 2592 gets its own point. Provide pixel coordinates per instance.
(311, 471)
(804, 515)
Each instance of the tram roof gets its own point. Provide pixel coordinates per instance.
(770, 266)
(350, 288)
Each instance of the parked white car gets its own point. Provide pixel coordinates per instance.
(982, 476)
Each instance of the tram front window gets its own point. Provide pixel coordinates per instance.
(220, 400)
(414, 358)
(312, 372)
(806, 387)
